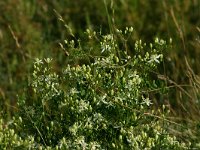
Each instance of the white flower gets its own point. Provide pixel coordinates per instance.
(146, 101)
(74, 91)
(155, 58)
(38, 61)
(105, 47)
(48, 60)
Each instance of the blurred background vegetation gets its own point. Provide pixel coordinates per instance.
(31, 29)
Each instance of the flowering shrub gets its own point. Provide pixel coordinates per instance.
(101, 105)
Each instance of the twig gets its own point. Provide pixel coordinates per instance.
(178, 28)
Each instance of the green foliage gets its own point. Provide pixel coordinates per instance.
(96, 106)
(10, 140)
(31, 29)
